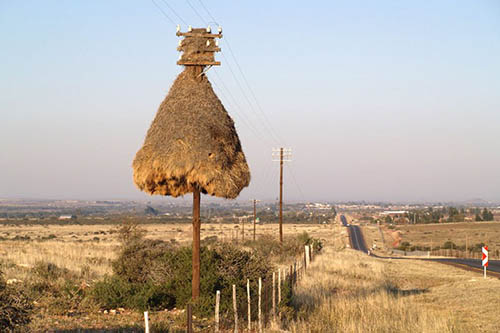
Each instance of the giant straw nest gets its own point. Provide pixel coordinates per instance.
(191, 144)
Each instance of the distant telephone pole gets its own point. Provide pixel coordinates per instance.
(466, 247)
(284, 156)
(242, 220)
(254, 215)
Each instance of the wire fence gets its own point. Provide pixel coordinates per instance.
(271, 292)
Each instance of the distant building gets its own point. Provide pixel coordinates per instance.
(318, 206)
(67, 217)
(394, 213)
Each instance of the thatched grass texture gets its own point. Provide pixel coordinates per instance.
(192, 143)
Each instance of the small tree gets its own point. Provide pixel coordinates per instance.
(487, 215)
(449, 245)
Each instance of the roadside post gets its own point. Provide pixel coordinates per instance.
(485, 259)
(146, 322)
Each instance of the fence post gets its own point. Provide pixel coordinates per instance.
(260, 305)
(146, 322)
(279, 287)
(305, 258)
(189, 319)
(279, 293)
(295, 272)
(308, 255)
(249, 309)
(217, 301)
(266, 309)
(274, 296)
(235, 309)
(311, 251)
(291, 279)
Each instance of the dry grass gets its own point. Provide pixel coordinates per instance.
(434, 235)
(437, 234)
(472, 299)
(92, 247)
(74, 247)
(347, 291)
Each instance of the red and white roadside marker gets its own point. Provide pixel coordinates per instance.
(485, 259)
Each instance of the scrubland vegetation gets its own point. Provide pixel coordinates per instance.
(135, 273)
(343, 290)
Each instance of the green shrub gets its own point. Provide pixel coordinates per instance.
(404, 246)
(152, 297)
(56, 289)
(235, 266)
(155, 274)
(49, 271)
(449, 245)
(286, 305)
(112, 292)
(269, 246)
(305, 239)
(140, 261)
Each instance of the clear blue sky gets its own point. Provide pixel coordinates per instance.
(379, 100)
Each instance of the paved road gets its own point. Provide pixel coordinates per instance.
(357, 239)
(493, 265)
(344, 220)
(358, 243)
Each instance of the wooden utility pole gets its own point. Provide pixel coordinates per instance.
(254, 215)
(283, 153)
(198, 47)
(242, 220)
(281, 195)
(196, 244)
(466, 247)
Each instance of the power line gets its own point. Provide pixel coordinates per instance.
(240, 114)
(296, 183)
(246, 96)
(161, 10)
(266, 122)
(196, 12)
(267, 171)
(204, 7)
(247, 120)
(243, 118)
(173, 11)
(251, 90)
(231, 69)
